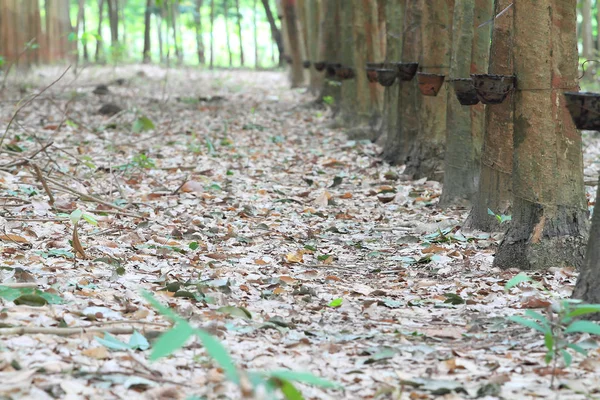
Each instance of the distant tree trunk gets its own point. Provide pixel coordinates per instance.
(58, 28)
(394, 26)
(147, 20)
(239, 26)
(113, 17)
(174, 11)
(198, 26)
(227, 36)
(275, 32)
(84, 41)
(549, 226)
(79, 27)
(212, 32)
(295, 49)
(470, 53)
(20, 29)
(255, 35)
(158, 18)
(330, 48)
(407, 129)
(426, 157)
(99, 43)
(312, 30)
(494, 191)
(586, 29)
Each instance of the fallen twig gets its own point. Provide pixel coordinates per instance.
(36, 330)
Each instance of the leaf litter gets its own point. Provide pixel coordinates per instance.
(242, 208)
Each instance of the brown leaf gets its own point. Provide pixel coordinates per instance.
(535, 302)
(99, 353)
(193, 187)
(296, 257)
(217, 256)
(13, 238)
(77, 244)
(433, 249)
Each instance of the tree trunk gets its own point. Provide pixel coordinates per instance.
(84, 41)
(174, 10)
(146, 52)
(99, 42)
(255, 34)
(58, 27)
(79, 29)
(212, 37)
(330, 48)
(426, 156)
(494, 191)
(470, 51)
(587, 38)
(398, 142)
(275, 32)
(550, 217)
(312, 29)
(239, 26)
(198, 26)
(113, 17)
(394, 12)
(295, 43)
(588, 283)
(158, 17)
(227, 36)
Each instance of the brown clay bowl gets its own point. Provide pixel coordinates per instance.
(430, 84)
(493, 89)
(465, 91)
(585, 109)
(386, 76)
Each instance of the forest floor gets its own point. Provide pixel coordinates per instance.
(236, 202)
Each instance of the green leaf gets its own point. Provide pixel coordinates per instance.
(32, 300)
(505, 218)
(453, 298)
(583, 327)
(219, 353)
(490, 212)
(567, 357)
(137, 341)
(549, 340)
(193, 245)
(289, 391)
(516, 280)
(89, 219)
(336, 303)
(142, 124)
(172, 340)
(528, 323)
(577, 348)
(549, 356)
(75, 216)
(111, 342)
(10, 294)
(72, 37)
(241, 312)
(538, 317)
(303, 377)
(584, 309)
(167, 312)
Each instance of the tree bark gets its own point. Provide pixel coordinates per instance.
(255, 34)
(329, 49)
(312, 29)
(275, 31)
(295, 42)
(470, 52)
(494, 190)
(198, 27)
(147, 19)
(394, 13)
(113, 17)
(174, 10)
(550, 218)
(586, 29)
(407, 128)
(426, 156)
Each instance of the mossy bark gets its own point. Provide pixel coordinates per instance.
(549, 226)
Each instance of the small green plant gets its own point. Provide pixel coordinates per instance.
(271, 382)
(143, 161)
(500, 217)
(329, 100)
(75, 217)
(558, 326)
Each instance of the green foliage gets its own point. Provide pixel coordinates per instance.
(273, 381)
(329, 100)
(558, 325)
(137, 341)
(142, 124)
(500, 217)
(29, 296)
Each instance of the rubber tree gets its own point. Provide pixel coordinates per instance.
(550, 217)
(426, 156)
(312, 29)
(362, 101)
(291, 31)
(394, 14)
(407, 127)
(329, 48)
(470, 54)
